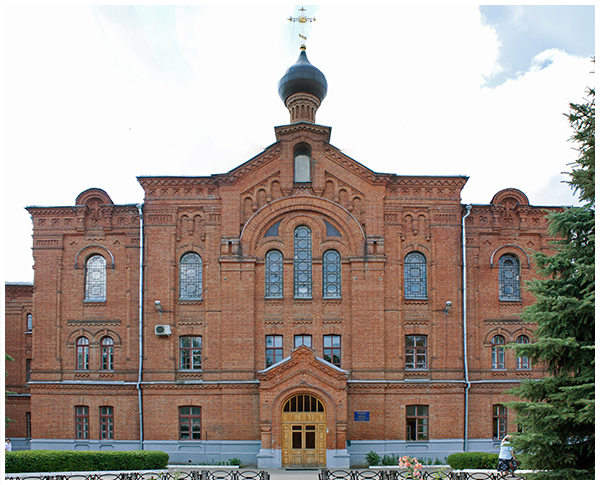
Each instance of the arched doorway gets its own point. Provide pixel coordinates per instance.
(303, 431)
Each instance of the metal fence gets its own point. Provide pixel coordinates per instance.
(441, 474)
(149, 475)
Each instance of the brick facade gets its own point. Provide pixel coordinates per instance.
(399, 243)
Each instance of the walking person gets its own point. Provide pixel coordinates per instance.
(7, 445)
(506, 460)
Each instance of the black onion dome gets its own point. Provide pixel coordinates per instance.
(302, 77)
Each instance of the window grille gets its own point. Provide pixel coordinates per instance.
(274, 275)
(95, 279)
(415, 276)
(509, 275)
(190, 277)
(332, 274)
(302, 263)
(303, 403)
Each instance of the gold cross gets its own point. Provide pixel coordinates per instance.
(302, 19)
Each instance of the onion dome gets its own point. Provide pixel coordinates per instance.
(304, 78)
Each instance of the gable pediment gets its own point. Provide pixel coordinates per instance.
(301, 362)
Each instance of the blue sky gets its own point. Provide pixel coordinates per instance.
(97, 95)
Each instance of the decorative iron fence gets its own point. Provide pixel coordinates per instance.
(441, 474)
(149, 475)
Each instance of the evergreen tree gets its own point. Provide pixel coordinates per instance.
(556, 413)
(7, 420)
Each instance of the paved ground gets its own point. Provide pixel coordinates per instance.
(287, 474)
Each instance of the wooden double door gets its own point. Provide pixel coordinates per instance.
(303, 432)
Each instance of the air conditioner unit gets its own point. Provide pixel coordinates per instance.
(162, 329)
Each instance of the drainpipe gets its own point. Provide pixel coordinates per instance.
(464, 302)
(141, 321)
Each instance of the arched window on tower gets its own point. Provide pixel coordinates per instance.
(415, 276)
(274, 274)
(509, 276)
(190, 277)
(302, 263)
(95, 278)
(332, 274)
(302, 165)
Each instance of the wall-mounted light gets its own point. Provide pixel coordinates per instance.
(158, 305)
(448, 306)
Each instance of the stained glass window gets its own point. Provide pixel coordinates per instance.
(509, 273)
(332, 275)
(274, 275)
(415, 276)
(302, 263)
(95, 278)
(190, 277)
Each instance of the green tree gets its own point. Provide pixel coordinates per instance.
(7, 420)
(556, 413)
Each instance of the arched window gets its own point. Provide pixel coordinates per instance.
(522, 362)
(302, 165)
(415, 276)
(29, 322)
(107, 354)
(190, 277)
(274, 274)
(332, 274)
(95, 278)
(83, 353)
(302, 262)
(508, 277)
(498, 352)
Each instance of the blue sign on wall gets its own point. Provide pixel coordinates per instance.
(361, 415)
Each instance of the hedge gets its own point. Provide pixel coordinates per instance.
(36, 461)
(473, 460)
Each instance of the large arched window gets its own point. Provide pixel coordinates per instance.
(415, 276)
(522, 362)
(302, 165)
(508, 278)
(95, 278)
(332, 274)
(274, 274)
(498, 352)
(302, 262)
(190, 277)
(107, 354)
(83, 353)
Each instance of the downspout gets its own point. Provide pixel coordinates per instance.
(141, 320)
(464, 302)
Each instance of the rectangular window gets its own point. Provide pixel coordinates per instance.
(499, 422)
(190, 352)
(332, 349)
(106, 423)
(303, 340)
(417, 418)
(189, 423)
(82, 423)
(274, 349)
(28, 424)
(416, 352)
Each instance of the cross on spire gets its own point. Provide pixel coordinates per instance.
(302, 19)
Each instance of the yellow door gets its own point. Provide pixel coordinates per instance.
(303, 432)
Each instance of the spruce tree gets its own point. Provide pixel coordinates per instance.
(556, 413)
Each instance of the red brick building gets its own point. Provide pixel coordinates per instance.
(299, 309)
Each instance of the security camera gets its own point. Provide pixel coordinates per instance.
(158, 305)
(448, 305)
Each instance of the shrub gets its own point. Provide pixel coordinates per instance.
(39, 461)
(477, 460)
(373, 459)
(390, 460)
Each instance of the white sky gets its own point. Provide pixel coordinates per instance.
(96, 96)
